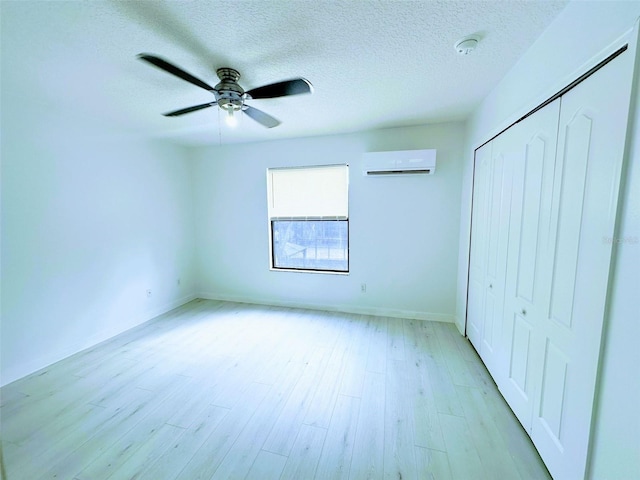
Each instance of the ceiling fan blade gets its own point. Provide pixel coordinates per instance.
(182, 111)
(261, 117)
(282, 89)
(172, 69)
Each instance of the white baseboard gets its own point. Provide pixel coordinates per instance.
(36, 364)
(12, 374)
(170, 306)
(376, 311)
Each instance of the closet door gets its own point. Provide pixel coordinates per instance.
(478, 258)
(496, 238)
(530, 146)
(592, 131)
(489, 235)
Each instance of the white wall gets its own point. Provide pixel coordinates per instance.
(91, 218)
(582, 33)
(89, 223)
(403, 230)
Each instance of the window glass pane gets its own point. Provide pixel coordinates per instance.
(311, 244)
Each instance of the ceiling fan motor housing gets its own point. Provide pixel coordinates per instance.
(229, 94)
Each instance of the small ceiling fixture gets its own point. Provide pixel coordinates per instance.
(466, 45)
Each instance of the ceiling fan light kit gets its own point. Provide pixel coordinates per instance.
(230, 96)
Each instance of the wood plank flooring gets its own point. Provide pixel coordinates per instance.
(216, 390)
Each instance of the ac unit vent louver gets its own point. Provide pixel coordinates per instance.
(404, 162)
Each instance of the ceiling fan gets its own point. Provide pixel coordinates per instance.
(230, 96)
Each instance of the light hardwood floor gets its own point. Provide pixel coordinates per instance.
(218, 390)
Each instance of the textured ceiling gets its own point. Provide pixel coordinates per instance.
(373, 64)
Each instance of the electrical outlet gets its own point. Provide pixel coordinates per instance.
(149, 293)
(363, 288)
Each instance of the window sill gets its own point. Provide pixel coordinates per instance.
(322, 272)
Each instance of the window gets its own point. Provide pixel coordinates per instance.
(309, 218)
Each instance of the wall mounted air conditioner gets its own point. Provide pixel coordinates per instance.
(404, 162)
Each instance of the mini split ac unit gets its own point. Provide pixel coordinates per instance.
(405, 162)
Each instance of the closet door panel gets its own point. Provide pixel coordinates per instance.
(533, 142)
(573, 163)
(520, 354)
(592, 134)
(531, 202)
(478, 259)
(499, 204)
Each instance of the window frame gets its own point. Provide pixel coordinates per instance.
(271, 220)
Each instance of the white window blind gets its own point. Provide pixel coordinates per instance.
(320, 192)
